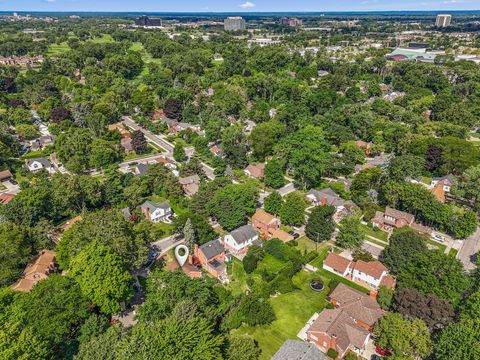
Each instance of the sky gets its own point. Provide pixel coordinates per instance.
(236, 5)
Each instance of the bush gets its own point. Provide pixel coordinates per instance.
(310, 256)
(332, 285)
(332, 353)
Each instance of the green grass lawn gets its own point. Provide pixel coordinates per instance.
(271, 264)
(439, 246)
(292, 311)
(58, 49)
(238, 277)
(453, 253)
(379, 243)
(376, 233)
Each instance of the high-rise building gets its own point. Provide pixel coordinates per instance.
(443, 20)
(235, 23)
(146, 21)
(293, 22)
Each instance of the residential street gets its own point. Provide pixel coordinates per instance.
(164, 144)
(469, 250)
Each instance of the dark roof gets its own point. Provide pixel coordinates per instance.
(298, 350)
(42, 161)
(142, 169)
(152, 206)
(243, 234)
(212, 249)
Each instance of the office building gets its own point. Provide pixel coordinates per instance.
(235, 23)
(443, 20)
(146, 21)
(292, 22)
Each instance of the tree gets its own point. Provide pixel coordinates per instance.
(254, 255)
(102, 276)
(405, 166)
(234, 146)
(350, 235)
(469, 187)
(232, 205)
(179, 152)
(108, 227)
(404, 244)
(54, 310)
(253, 310)
(293, 210)
(189, 235)
(60, 114)
(104, 346)
(28, 132)
(173, 109)
(384, 297)
(172, 338)
(320, 225)
(459, 341)
(203, 231)
(103, 153)
(406, 339)
(436, 313)
(15, 252)
(242, 348)
(139, 142)
(273, 203)
(437, 273)
(275, 174)
(264, 137)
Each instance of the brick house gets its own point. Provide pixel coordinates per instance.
(392, 219)
(329, 197)
(371, 275)
(346, 328)
(212, 257)
(265, 223)
(255, 171)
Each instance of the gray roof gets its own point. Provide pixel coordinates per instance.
(448, 177)
(42, 161)
(126, 213)
(152, 206)
(298, 350)
(193, 179)
(142, 169)
(243, 234)
(212, 249)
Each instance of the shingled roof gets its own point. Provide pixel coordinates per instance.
(298, 350)
(243, 234)
(212, 249)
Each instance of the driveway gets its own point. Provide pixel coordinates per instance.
(163, 245)
(287, 189)
(468, 253)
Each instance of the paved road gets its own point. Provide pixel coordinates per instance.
(468, 253)
(162, 246)
(287, 189)
(164, 144)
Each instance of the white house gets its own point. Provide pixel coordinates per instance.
(35, 165)
(239, 240)
(156, 212)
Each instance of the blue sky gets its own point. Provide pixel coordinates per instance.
(235, 5)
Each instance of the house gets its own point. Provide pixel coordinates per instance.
(6, 198)
(255, 171)
(140, 169)
(346, 328)
(156, 212)
(265, 223)
(126, 213)
(39, 269)
(392, 219)
(379, 160)
(126, 143)
(365, 146)
(41, 143)
(190, 184)
(169, 164)
(215, 150)
(372, 274)
(38, 164)
(212, 258)
(442, 186)
(239, 240)
(5, 175)
(298, 350)
(329, 197)
(281, 235)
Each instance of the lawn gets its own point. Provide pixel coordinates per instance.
(327, 276)
(453, 253)
(238, 277)
(58, 49)
(439, 246)
(271, 264)
(292, 311)
(105, 39)
(376, 233)
(304, 243)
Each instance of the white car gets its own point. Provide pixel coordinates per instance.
(439, 238)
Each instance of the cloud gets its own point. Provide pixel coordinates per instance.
(247, 5)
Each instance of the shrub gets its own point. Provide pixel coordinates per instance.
(332, 353)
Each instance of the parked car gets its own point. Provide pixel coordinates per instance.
(375, 357)
(383, 352)
(439, 238)
(294, 234)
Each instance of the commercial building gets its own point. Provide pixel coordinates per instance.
(443, 20)
(146, 21)
(293, 22)
(235, 23)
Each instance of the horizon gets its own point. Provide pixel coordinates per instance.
(237, 6)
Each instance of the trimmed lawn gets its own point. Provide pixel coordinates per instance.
(58, 49)
(271, 264)
(292, 311)
(439, 246)
(453, 253)
(237, 276)
(327, 276)
(105, 39)
(376, 233)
